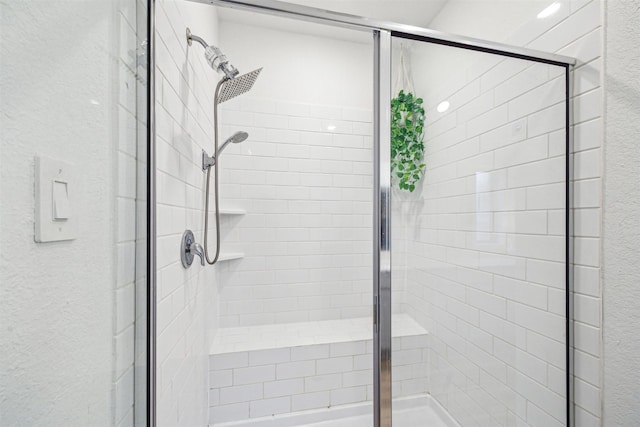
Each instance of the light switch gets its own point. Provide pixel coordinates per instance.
(56, 185)
(61, 208)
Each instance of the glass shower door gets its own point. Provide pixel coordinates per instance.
(479, 222)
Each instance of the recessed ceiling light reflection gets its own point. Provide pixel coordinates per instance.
(443, 106)
(549, 10)
(331, 127)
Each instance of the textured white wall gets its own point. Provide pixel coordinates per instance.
(68, 92)
(621, 234)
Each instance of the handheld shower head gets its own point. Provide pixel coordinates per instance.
(236, 138)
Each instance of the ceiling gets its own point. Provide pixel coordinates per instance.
(485, 19)
(414, 12)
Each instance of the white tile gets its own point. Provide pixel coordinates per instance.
(547, 120)
(253, 375)
(222, 378)
(228, 360)
(549, 325)
(587, 222)
(334, 365)
(322, 382)
(266, 407)
(357, 378)
(587, 135)
(242, 393)
(234, 412)
(306, 401)
(526, 151)
(293, 108)
(284, 387)
(587, 338)
(348, 395)
(554, 404)
(521, 291)
(549, 196)
(267, 357)
(490, 120)
(270, 121)
(588, 397)
(361, 362)
(586, 194)
(587, 309)
(347, 348)
(587, 251)
(587, 280)
(295, 369)
(537, 173)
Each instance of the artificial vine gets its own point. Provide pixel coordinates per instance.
(407, 147)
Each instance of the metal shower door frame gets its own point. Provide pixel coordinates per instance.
(382, 32)
(382, 334)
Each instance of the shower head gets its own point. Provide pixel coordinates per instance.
(236, 138)
(214, 56)
(237, 86)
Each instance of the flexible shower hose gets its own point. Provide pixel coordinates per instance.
(215, 185)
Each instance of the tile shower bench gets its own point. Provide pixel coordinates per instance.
(306, 370)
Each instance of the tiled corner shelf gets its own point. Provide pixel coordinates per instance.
(232, 211)
(228, 256)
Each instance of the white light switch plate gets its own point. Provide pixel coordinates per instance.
(51, 175)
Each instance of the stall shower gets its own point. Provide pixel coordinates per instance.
(339, 296)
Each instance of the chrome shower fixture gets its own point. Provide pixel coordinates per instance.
(236, 138)
(230, 88)
(216, 59)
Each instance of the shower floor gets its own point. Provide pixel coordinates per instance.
(285, 370)
(423, 416)
(414, 411)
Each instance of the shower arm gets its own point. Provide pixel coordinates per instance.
(191, 38)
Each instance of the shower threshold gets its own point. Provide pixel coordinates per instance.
(414, 411)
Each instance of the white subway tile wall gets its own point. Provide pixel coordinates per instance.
(484, 256)
(304, 177)
(186, 298)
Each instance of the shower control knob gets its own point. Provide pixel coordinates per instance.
(189, 248)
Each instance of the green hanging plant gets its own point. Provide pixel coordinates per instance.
(407, 146)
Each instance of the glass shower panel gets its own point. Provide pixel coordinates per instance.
(284, 319)
(479, 242)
